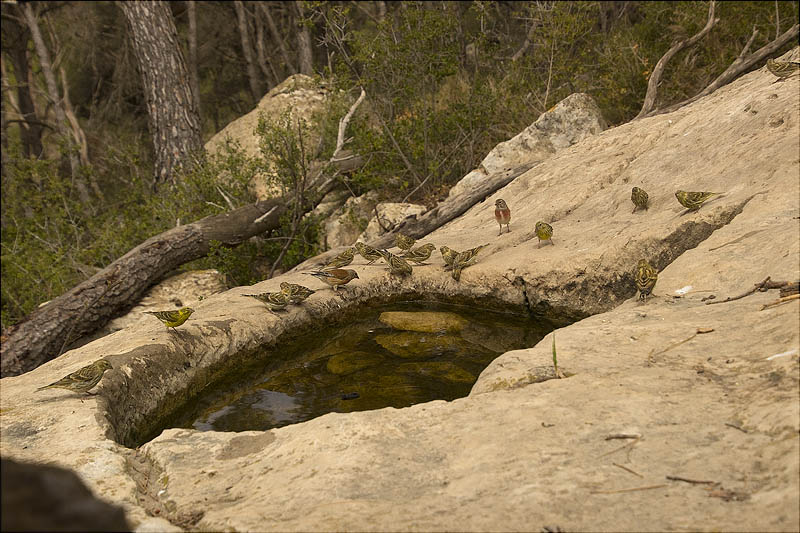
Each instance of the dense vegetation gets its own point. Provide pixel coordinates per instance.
(445, 82)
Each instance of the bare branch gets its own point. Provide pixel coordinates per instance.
(655, 77)
(344, 121)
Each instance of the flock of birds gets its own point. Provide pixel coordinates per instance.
(333, 274)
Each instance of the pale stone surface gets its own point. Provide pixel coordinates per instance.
(390, 214)
(347, 222)
(514, 455)
(298, 94)
(568, 122)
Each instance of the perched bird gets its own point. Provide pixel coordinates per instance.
(296, 293)
(783, 69)
(448, 255)
(397, 265)
(639, 199)
(172, 319)
(545, 232)
(335, 277)
(404, 242)
(82, 380)
(342, 260)
(646, 277)
(421, 254)
(693, 200)
(275, 301)
(367, 252)
(465, 259)
(502, 214)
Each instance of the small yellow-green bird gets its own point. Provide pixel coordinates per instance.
(275, 301)
(341, 260)
(404, 242)
(782, 69)
(421, 254)
(82, 380)
(296, 293)
(465, 259)
(646, 277)
(693, 200)
(397, 265)
(335, 277)
(545, 232)
(367, 252)
(639, 199)
(448, 256)
(172, 319)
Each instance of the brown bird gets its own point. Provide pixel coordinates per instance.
(448, 255)
(397, 265)
(421, 254)
(275, 301)
(404, 242)
(782, 69)
(465, 259)
(693, 200)
(368, 252)
(341, 260)
(639, 199)
(296, 293)
(83, 379)
(503, 215)
(646, 277)
(545, 232)
(335, 277)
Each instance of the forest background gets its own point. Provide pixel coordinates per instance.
(445, 82)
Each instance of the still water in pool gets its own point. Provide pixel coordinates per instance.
(391, 356)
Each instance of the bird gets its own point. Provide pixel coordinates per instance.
(335, 277)
(172, 319)
(404, 242)
(296, 293)
(397, 265)
(639, 199)
(646, 277)
(544, 231)
(82, 380)
(275, 301)
(367, 252)
(782, 69)
(421, 254)
(341, 260)
(693, 200)
(502, 214)
(448, 255)
(465, 259)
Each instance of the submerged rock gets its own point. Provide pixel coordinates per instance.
(413, 344)
(441, 370)
(424, 321)
(349, 362)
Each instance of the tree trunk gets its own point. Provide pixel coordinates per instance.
(192, 15)
(171, 104)
(247, 50)
(31, 128)
(304, 54)
(276, 35)
(55, 98)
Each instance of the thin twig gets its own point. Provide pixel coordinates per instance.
(633, 489)
(757, 286)
(734, 426)
(668, 348)
(693, 481)
(629, 445)
(624, 436)
(634, 472)
(780, 301)
(265, 215)
(225, 196)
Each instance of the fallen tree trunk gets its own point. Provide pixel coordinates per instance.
(451, 208)
(88, 306)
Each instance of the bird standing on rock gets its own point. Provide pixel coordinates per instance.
(404, 242)
(296, 293)
(172, 319)
(82, 380)
(421, 254)
(693, 200)
(448, 255)
(782, 69)
(367, 252)
(465, 259)
(646, 277)
(503, 215)
(275, 301)
(335, 277)
(397, 265)
(342, 260)
(545, 232)
(639, 199)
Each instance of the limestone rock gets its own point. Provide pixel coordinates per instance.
(424, 321)
(347, 223)
(570, 121)
(413, 344)
(390, 214)
(349, 362)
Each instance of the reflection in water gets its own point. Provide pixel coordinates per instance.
(365, 364)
